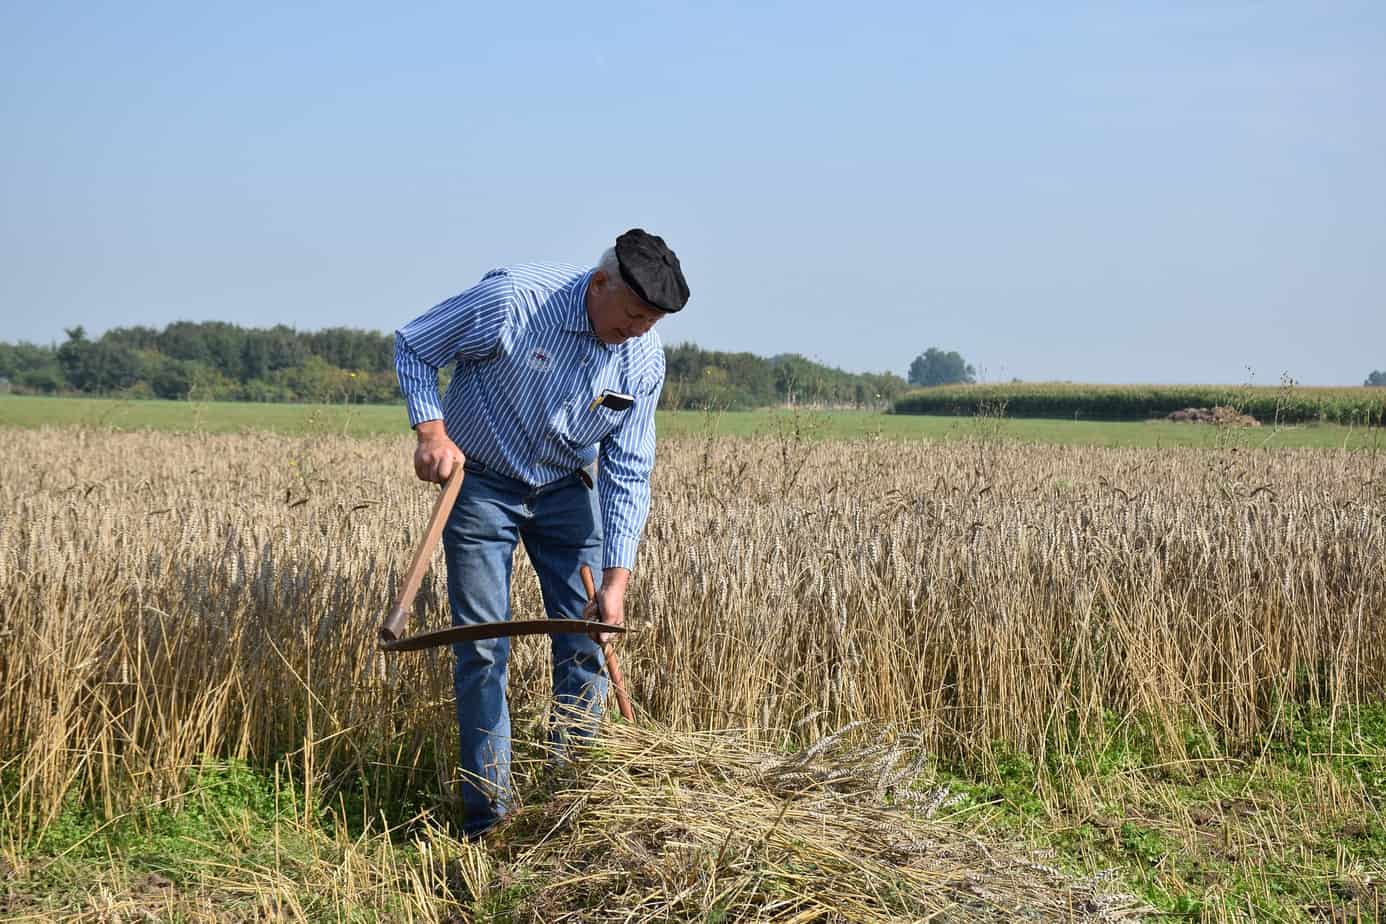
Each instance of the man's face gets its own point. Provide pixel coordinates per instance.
(617, 314)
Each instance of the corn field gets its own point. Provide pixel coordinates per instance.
(1287, 403)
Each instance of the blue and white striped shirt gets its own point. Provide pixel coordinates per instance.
(528, 367)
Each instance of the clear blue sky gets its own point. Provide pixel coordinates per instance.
(1096, 192)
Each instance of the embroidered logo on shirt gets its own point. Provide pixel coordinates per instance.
(540, 360)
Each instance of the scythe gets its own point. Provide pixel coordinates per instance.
(391, 636)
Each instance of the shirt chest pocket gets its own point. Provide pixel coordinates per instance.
(588, 425)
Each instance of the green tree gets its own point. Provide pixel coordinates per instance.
(266, 351)
(697, 378)
(174, 379)
(1376, 379)
(31, 367)
(216, 343)
(315, 379)
(935, 367)
(45, 379)
(354, 350)
(136, 338)
(74, 356)
(97, 367)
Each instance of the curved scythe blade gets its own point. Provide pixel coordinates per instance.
(499, 629)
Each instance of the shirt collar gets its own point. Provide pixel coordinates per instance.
(575, 312)
(575, 315)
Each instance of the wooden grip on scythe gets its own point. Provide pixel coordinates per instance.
(613, 667)
(393, 627)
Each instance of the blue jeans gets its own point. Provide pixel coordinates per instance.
(560, 525)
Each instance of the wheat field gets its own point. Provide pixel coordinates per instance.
(170, 599)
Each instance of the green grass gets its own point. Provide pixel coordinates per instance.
(203, 416)
(169, 854)
(371, 420)
(1288, 829)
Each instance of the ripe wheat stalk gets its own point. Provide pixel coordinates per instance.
(177, 599)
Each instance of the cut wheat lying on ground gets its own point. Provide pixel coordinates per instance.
(178, 602)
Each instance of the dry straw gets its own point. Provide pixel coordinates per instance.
(659, 825)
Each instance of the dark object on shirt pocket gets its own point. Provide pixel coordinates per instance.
(612, 400)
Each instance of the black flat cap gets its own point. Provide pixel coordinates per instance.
(650, 268)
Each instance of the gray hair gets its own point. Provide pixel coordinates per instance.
(612, 267)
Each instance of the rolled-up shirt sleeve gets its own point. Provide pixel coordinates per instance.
(623, 478)
(466, 326)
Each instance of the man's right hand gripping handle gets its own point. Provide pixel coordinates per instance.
(435, 454)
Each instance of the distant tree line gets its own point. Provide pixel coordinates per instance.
(1377, 378)
(217, 361)
(698, 378)
(210, 360)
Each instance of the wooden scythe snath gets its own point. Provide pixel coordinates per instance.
(613, 667)
(391, 635)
